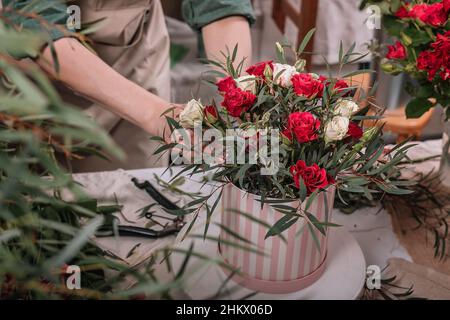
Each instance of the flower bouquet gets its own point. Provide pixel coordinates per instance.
(421, 50)
(280, 144)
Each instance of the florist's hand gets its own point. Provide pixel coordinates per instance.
(175, 114)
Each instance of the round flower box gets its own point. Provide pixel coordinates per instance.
(286, 266)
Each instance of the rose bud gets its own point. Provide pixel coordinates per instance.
(211, 114)
(286, 137)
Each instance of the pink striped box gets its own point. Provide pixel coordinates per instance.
(287, 266)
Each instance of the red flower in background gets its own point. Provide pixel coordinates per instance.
(403, 12)
(354, 131)
(418, 11)
(433, 14)
(226, 84)
(438, 59)
(305, 85)
(304, 126)
(313, 176)
(258, 69)
(338, 86)
(428, 61)
(237, 101)
(396, 51)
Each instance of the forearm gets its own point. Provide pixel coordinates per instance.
(228, 32)
(88, 75)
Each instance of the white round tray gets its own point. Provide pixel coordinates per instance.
(343, 278)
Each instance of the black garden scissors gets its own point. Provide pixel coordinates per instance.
(131, 231)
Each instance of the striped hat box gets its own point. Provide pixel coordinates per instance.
(287, 266)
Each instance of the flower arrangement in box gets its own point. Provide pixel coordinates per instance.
(421, 30)
(280, 144)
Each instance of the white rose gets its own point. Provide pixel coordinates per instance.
(283, 79)
(247, 83)
(336, 129)
(345, 108)
(191, 114)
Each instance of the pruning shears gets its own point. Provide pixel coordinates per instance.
(131, 231)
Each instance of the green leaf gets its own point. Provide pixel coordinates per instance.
(68, 252)
(281, 225)
(305, 41)
(417, 107)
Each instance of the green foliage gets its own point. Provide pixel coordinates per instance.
(359, 166)
(416, 37)
(41, 232)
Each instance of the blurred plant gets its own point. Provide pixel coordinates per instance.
(388, 291)
(422, 33)
(41, 233)
(429, 205)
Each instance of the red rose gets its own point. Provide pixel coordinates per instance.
(340, 84)
(258, 69)
(434, 14)
(438, 59)
(313, 176)
(396, 51)
(354, 131)
(237, 101)
(403, 12)
(304, 126)
(446, 5)
(305, 85)
(418, 11)
(226, 84)
(429, 61)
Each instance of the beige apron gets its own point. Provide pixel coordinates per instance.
(135, 43)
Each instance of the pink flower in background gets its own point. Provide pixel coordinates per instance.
(396, 51)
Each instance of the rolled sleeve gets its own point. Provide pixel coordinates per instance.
(199, 13)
